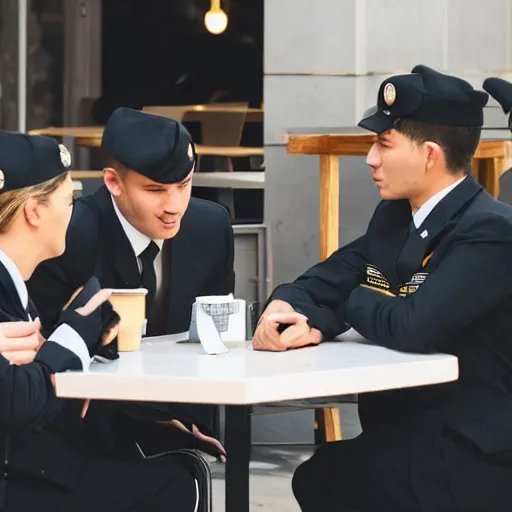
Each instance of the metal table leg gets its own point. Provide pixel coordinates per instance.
(238, 448)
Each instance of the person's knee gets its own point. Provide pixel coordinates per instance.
(303, 485)
(310, 480)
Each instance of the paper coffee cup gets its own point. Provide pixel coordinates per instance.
(130, 305)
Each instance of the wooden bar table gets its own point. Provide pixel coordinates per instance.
(90, 136)
(491, 159)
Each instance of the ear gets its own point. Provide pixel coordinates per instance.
(434, 155)
(112, 181)
(32, 212)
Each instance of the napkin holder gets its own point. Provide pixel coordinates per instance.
(217, 320)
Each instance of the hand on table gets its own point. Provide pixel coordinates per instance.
(297, 334)
(20, 341)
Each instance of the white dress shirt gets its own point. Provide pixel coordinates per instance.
(64, 335)
(139, 241)
(427, 207)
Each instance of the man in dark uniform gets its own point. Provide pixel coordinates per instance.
(143, 229)
(433, 273)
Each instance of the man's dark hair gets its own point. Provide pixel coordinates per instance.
(457, 142)
(121, 169)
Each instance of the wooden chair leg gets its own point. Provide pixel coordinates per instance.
(332, 424)
(329, 229)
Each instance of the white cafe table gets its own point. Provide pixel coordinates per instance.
(168, 371)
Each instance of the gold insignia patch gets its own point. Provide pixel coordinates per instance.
(379, 290)
(412, 286)
(375, 279)
(389, 94)
(190, 152)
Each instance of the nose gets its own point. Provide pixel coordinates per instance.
(171, 203)
(373, 156)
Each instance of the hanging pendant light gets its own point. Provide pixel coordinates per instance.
(215, 20)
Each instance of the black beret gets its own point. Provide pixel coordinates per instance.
(157, 147)
(501, 91)
(428, 96)
(27, 160)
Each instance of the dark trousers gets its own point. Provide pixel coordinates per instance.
(385, 470)
(366, 474)
(109, 486)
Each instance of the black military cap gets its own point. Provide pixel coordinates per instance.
(27, 160)
(501, 91)
(157, 147)
(428, 96)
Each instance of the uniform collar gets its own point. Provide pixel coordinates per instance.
(139, 241)
(16, 277)
(425, 210)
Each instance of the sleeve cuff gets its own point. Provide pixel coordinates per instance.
(67, 337)
(57, 358)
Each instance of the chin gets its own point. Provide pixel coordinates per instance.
(388, 195)
(166, 233)
(384, 194)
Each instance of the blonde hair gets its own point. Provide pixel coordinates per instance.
(13, 200)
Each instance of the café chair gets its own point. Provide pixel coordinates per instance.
(198, 468)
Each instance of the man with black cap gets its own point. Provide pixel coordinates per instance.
(143, 229)
(433, 273)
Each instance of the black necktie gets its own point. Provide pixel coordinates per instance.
(412, 254)
(148, 275)
(158, 320)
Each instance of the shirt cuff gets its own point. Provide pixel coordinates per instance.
(67, 337)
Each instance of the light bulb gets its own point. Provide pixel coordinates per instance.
(215, 20)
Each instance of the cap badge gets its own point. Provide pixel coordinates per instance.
(389, 94)
(2, 180)
(190, 152)
(65, 157)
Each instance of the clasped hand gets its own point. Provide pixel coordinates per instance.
(297, 334)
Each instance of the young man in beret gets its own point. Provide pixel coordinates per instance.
(142, 228)
(433, 273)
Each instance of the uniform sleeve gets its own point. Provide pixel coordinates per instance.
(321, 292)
(474, 276)
(27, 395)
